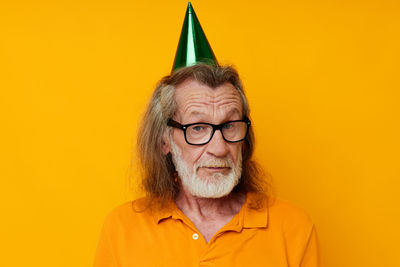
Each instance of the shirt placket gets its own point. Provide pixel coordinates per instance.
(236, 225)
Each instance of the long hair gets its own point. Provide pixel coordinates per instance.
(158, 179)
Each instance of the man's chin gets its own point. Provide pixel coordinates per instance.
(214, 180)
(216, 185)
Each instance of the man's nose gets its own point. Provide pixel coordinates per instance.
(217, 145)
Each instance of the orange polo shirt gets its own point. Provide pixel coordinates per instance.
(276, 234)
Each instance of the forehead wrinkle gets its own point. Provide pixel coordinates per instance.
(228, 105)
(195, 102)
(212, 102)
(216, 114)
(200, 101)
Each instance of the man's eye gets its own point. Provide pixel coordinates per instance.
(228, 126)
(198, 128)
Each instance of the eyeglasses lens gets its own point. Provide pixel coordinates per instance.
(201, 133)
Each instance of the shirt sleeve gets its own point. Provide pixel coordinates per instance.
(311, 257)
(104, 256)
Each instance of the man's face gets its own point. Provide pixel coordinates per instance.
(213, 169)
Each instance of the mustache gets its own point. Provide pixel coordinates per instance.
(215, 163)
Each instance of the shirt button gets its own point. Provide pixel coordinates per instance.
(195, 236)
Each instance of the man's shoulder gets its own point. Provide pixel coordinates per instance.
(129, 211)
(288, 214)
(277, 206)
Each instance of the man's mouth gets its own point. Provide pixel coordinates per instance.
(215, 168)
(212, 166)
(215, 165)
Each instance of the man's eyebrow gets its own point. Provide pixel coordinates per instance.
(196, 113)
(233, 111)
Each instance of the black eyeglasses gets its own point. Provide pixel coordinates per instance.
(200, 133)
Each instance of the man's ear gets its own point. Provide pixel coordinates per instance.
(165, 147)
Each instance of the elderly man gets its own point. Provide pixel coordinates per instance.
(206, 203)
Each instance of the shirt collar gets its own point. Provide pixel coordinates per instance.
(165, 212)
(255, 211)
(253, 214)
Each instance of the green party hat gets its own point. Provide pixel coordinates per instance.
(193, 46)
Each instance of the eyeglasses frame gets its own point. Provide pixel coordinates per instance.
(215, 127)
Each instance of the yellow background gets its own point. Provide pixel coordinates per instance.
(322, 79)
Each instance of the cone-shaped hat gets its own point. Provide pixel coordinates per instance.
(193, 46)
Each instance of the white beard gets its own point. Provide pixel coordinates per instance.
(213, 186)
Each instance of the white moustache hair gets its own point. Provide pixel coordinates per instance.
(215, 185)
(215, 163)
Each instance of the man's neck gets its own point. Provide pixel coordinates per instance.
(206, 207)
(209, 214)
